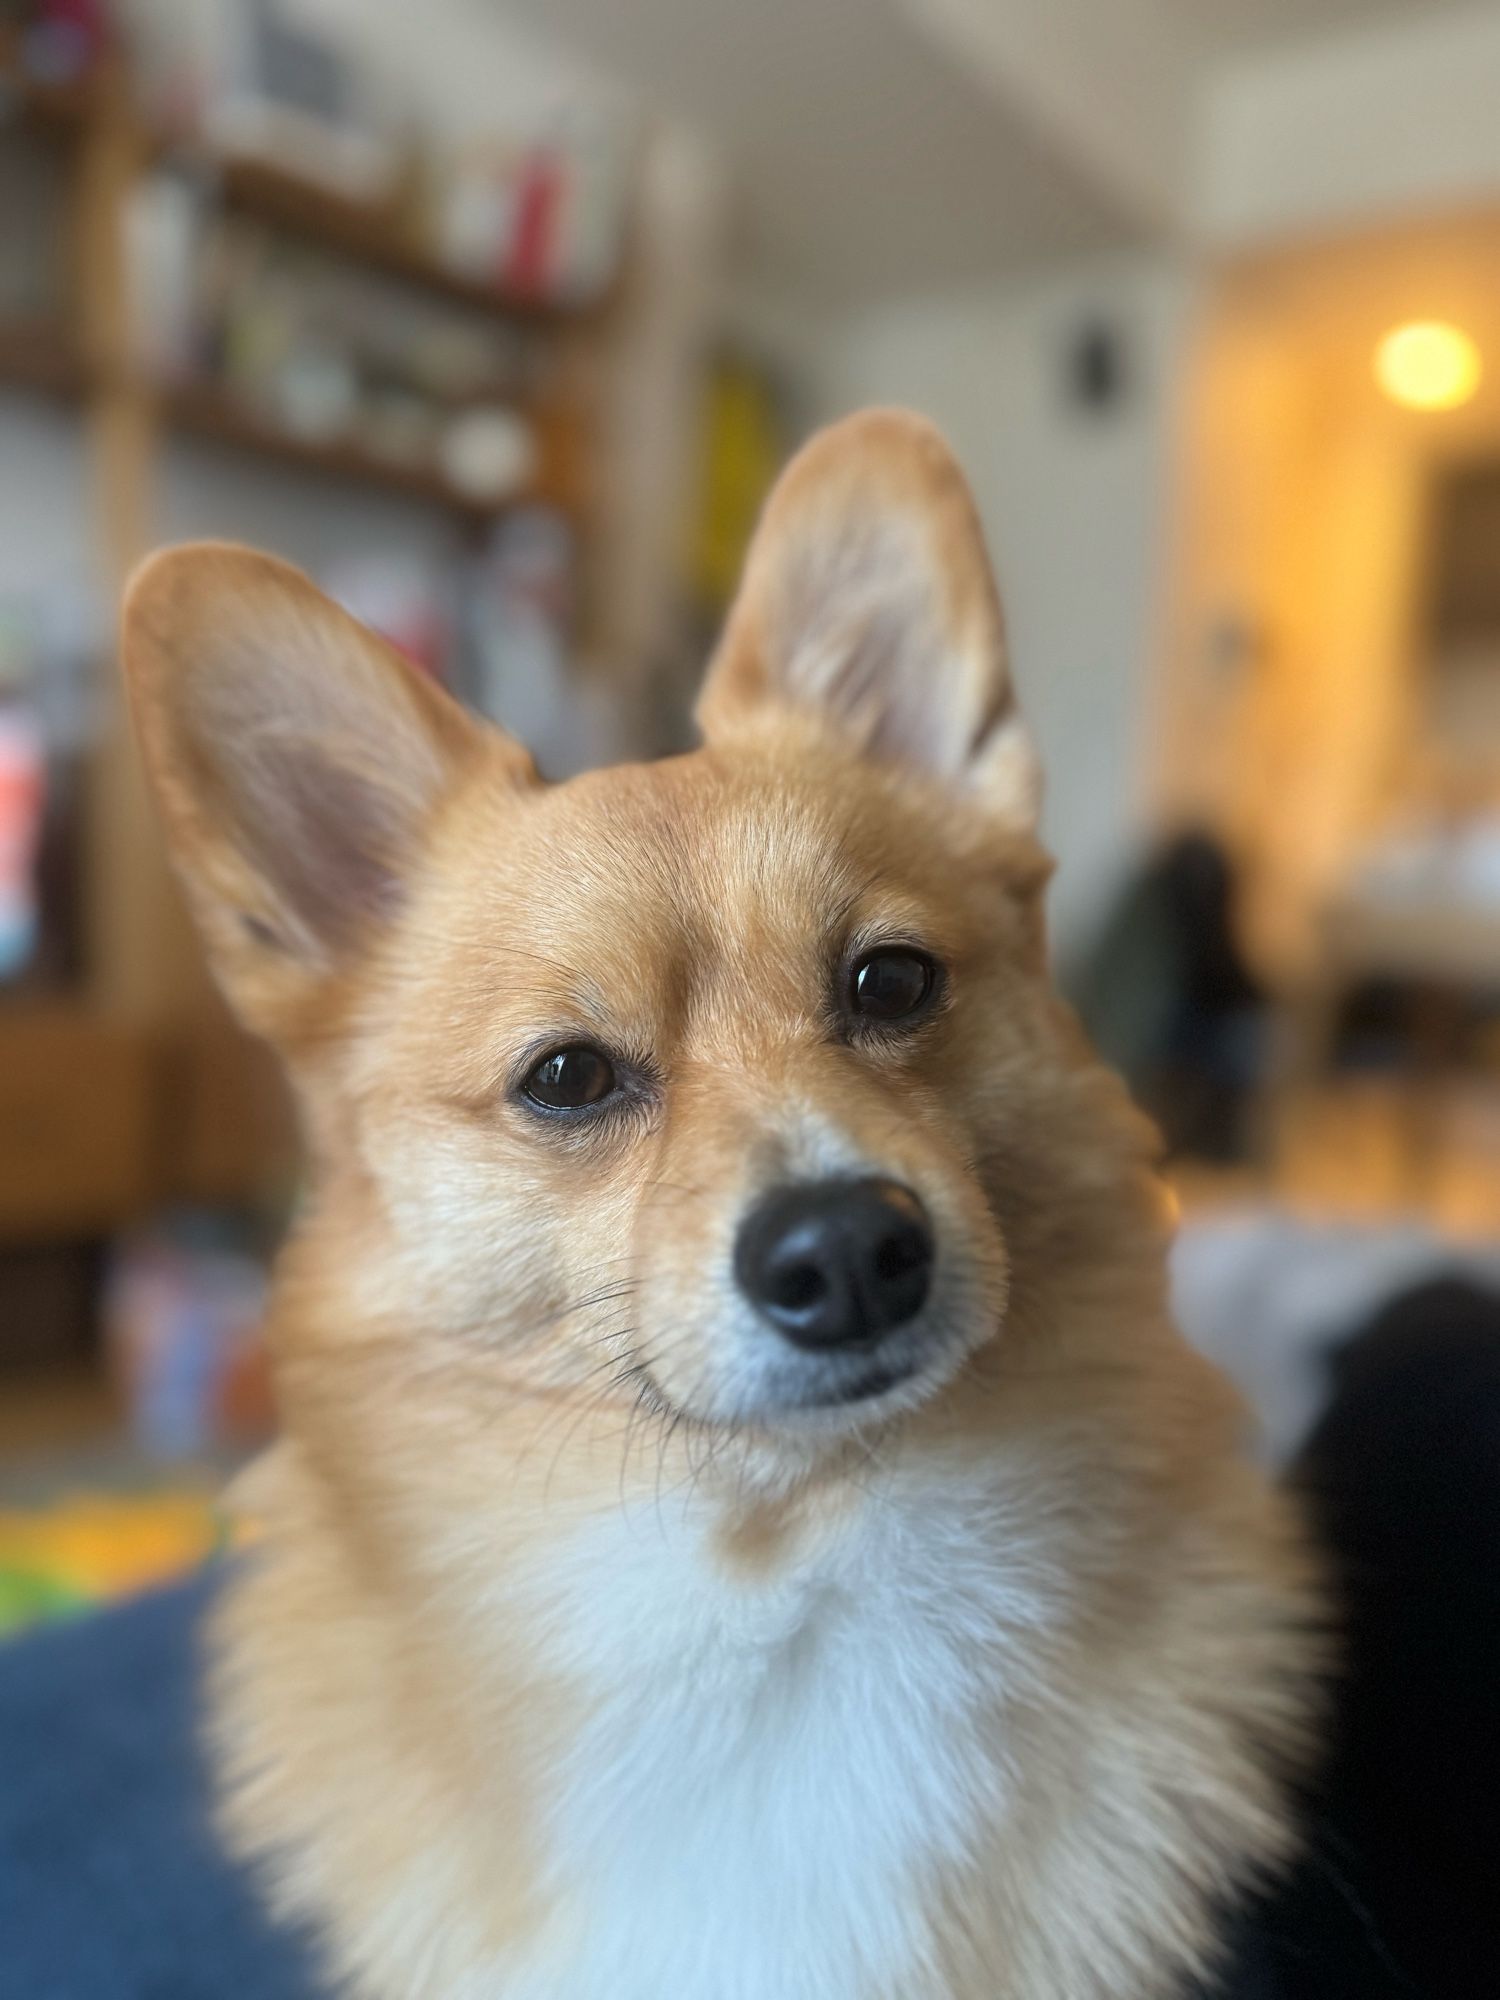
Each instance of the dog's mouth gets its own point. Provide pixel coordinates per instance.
(832, 1393)
(876, 1392)
(866, 1387)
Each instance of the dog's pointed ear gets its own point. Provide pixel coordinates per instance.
(868, 598)
(297, 760)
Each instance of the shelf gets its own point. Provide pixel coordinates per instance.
(39, 358)
(106, 1110)
(62, 109)
(206, 412)
(35, 354)
(370, 233)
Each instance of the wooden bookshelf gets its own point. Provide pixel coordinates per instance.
(58, 109)
(375, 234)
(43, 356)
(135, 1087)
(75, 1109)
(204, 411)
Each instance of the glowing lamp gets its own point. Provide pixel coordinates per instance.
(1428, 365)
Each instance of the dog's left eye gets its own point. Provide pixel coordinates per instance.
(570, 1079)
(891, 985)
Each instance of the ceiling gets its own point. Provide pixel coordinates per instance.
(1221, 27)
(877, 147)
(865, 160)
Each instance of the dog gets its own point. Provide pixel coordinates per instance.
(744, 1524)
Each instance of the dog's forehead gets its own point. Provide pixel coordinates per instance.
(652, 892)
(694, 848)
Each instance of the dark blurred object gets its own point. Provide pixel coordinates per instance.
(112, 1885)
(1406, 1025)
(1461, 635)
(47, 727)
(1098, 367)
(48, 1305)
(1168, 999)
(1399, 1891)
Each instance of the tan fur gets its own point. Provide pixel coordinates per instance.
(489, 1336)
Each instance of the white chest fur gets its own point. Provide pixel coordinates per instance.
(777, 1772)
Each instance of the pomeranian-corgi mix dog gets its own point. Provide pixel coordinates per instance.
(745, 1527)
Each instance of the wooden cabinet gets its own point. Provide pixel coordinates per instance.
(78, 1104)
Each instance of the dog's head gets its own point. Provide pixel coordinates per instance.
(733, 1081)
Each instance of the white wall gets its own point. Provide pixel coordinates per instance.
(46, 524)
(1367, 125)
(1073, 506)
(1107, 84)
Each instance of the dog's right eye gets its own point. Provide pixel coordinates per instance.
(570, 1079)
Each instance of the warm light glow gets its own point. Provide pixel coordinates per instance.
(1428, 365)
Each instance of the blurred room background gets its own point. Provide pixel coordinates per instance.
(498, 316)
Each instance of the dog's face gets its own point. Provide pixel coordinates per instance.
(706, 1083)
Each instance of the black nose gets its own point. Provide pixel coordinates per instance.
(836, 1263)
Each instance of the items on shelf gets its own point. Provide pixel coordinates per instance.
(535, 213)
(317, 348)
(23, 778)
(33, 191)
(537, 218)
(183, 1315)
(495, 627)
(286, 93)
(407, 324)
(46, 720)
(498, 630)
(54, 41)
(407, 601)
(43, 48)
(519, 631)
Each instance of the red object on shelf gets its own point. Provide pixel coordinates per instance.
(528, 269)
(23, 781)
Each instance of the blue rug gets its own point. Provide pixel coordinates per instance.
(111, 1884)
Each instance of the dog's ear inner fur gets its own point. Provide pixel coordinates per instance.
(868, 599)
(297, 759)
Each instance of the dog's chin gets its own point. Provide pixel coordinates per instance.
(830, 1396)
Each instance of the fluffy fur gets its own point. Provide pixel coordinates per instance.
(580, 1659)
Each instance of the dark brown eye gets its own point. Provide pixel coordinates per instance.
(569, 1079)
(891, 985)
